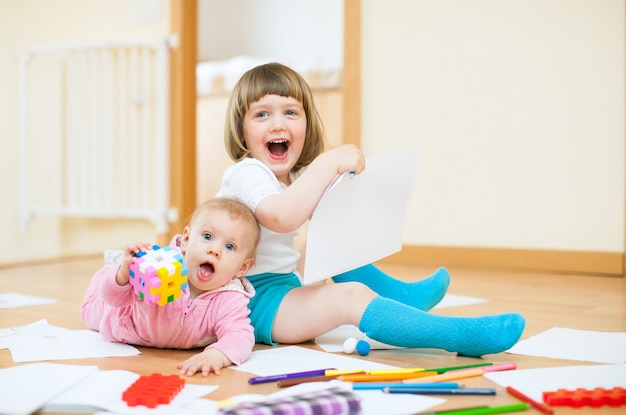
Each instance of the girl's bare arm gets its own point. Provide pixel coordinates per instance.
(287, 211)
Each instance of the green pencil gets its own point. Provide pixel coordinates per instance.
(487, 410)
(441, 370)
(447, 411)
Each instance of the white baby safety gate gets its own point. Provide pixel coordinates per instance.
(94, 131)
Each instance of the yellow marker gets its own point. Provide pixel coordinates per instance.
(395, 371)
(338, 372)
(335, 372)
(389, 377)
(225, 403)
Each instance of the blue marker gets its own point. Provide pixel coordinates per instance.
(441, 391)
(399, 385)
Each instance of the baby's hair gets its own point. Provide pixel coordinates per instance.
(272, 79)
(236, 210)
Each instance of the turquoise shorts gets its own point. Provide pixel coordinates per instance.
(270, 291)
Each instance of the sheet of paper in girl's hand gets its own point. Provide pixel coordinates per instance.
(360, 219)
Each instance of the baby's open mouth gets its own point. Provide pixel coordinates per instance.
(206, 270)
(278, 147)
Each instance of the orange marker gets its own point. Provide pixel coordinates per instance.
(451, 375)
(465, 373)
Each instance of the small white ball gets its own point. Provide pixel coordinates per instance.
(349, 346)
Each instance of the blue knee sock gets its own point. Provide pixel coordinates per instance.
(397, 324)
(423, 294)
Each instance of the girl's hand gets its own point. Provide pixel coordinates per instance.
(130, 253)
(346, 158)
(289, 210)
(210, 360)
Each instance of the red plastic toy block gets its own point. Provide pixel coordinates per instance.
(586, 397)
(153, 390)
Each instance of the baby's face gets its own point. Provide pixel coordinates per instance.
(217, 248)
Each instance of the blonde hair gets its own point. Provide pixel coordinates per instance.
(236, 210)
(272, 79)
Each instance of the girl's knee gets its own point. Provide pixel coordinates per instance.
(351, 300)
(353, 291)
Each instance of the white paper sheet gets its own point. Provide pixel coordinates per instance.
(27, 388)
(360, 219)
(13, 300)
(289, 359)
(10, 334)
(572, 344)
(36, 342)
(377, 403)
(533, 382)
(103, 390)
(454, 300)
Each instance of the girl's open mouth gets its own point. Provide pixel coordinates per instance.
(278, 147)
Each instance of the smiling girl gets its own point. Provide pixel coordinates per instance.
(276, 137)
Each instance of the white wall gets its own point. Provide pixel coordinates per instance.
(517, 110)
(27, 23)
(274, 29)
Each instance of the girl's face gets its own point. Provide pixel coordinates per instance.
(216, 248)
(274, 129)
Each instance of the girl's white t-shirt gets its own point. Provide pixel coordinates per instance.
(251, 181)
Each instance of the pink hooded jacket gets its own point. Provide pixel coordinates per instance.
(216, 319)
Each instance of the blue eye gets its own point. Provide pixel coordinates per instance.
(229, 247)
(207, 236)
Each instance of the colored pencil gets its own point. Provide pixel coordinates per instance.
(339, 372)
(441, 370)
(381, 385)
(491, 410)
(465, 373)
(540, 406)
(367, 377)
(296, 381)
(500, 367)
(442, 391)
(295, 375)
(451, 375)
(447, 411)
(484, 410)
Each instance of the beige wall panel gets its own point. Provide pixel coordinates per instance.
(517, 111)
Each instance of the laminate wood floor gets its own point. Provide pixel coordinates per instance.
(545, 299)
